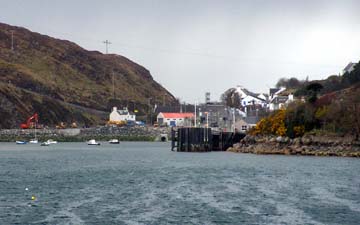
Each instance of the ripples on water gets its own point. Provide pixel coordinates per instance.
(146, 183)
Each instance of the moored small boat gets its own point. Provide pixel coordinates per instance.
(114, 141)
(51, 141)
(33, 141)
(46, 143)
(93, 142)
(21, 142)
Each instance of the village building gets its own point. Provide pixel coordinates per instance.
(248, 98)
(350, 67)
(246, 123)
(279, 98)
(274, 92)
(214, 114)
(280, 102)
(251, 100)
(175, 119)
(121, 115)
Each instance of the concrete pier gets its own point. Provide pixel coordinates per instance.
(194, 139)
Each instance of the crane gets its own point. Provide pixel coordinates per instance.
(30, 121)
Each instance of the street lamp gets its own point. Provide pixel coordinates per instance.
(207, 119)
(149, 110)
(234, 120)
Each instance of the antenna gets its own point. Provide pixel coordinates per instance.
(12, 40)
(107, 43)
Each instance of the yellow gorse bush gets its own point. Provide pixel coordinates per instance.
(274, 124)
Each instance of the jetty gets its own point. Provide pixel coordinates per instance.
(200, 139)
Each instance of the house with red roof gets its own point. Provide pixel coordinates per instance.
(175, 119)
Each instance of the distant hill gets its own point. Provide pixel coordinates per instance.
(66, 83)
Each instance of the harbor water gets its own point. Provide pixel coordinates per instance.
(146, 183)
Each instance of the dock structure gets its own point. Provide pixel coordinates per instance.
(196, 139)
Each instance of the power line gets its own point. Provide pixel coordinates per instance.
(107, 43)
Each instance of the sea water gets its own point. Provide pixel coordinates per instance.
(146, 183)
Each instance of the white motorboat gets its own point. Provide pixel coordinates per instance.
(51, 141)
(114, 141)
(33, 141)
(93, 142)
(46, 143)
(21, 142)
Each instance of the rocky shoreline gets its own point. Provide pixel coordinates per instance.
(308, 145)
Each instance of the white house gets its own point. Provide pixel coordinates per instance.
(175, 119)
(121, 115)
(279, 102)
(275, 92)
(249, 98)
(246, 123)
(263, 96)
(350, 67)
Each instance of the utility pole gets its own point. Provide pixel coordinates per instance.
(150, 111)
(107, 43)
(12, 40)
(113, 84)
(195, 116)
(234, 121)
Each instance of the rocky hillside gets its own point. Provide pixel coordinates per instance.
(66, 83)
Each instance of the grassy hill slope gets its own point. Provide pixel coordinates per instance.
(64, 82)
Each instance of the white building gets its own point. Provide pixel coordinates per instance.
(175, 119)
(350, 67)
(280, 102)
(121, 115)
(275, 92)
(246, 123)
(249, 98)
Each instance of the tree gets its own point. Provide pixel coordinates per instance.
(231, 98)
(281, 82)
(299, 118)
(293, 82)
(312, 91)
(351, 106)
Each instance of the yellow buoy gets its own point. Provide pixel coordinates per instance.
(33, 197)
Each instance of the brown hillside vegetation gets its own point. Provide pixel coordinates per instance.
(64, 82)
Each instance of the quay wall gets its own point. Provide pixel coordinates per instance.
(82, 134)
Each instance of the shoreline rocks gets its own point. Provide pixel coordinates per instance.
(308, 145)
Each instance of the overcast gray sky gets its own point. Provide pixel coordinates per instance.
(194, 46)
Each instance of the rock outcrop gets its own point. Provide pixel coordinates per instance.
(308, 145)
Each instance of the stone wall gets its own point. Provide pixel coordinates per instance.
(105, 132)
